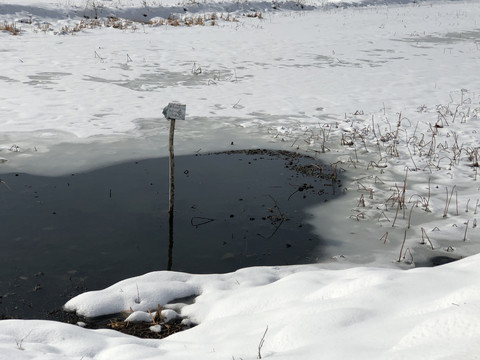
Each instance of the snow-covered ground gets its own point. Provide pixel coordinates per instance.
(385, 90)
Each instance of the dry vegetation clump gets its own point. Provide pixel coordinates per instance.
(11, 28)
(43, 27)
(110, 22)
(257, 15)
(208, 19)
(405, 171)
(116, 23)
(126, 24)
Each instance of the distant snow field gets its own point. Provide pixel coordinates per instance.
(386, 91)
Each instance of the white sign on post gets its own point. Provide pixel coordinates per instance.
(175, 111)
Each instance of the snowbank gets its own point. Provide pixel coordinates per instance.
(365, 313)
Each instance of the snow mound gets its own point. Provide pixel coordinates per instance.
(365, 313)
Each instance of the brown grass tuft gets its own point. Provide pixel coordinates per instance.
(11, 28)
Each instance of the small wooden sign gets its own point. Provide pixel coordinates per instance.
(175, 111)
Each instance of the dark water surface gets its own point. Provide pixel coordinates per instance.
(64, 235)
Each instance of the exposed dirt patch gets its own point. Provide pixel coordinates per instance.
(145, 330)
(156, 329)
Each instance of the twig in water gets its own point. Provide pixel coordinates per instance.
(198, 221)
(275, 218)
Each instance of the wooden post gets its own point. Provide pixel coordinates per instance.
(171, 163)
(171, 194)
(172, 112)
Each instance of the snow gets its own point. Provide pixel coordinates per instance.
(368, 313)
(386, 90)
(139, 316)
(155, 328)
